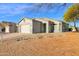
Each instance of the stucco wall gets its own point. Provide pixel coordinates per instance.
(7, 29)
(25, 26)
(56, 27)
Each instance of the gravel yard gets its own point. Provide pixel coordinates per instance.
(53, 44)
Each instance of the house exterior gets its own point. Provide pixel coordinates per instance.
(41, 25)
(8, 27)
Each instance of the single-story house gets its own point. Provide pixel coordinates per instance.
(8, 27)
(41, 25)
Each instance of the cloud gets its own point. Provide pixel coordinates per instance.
(13, 8)
(9, 10)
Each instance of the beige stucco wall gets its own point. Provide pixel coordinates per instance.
(58, 27)
(7, 29)
(25, 26)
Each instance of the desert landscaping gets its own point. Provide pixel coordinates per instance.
(41, 44)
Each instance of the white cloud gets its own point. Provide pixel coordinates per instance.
(13, 10)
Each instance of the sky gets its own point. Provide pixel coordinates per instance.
(14, 12)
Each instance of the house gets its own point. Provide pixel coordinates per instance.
(41, 25)
(8, 27)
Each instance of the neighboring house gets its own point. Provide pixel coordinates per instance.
(8, 27)
(41, 25)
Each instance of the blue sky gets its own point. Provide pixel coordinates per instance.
(14, 12)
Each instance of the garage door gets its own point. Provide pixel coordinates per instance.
(37, 26)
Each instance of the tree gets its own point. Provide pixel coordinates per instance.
(72, 14)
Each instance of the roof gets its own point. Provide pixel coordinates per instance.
(8, 22)
(23, 19)
(52, 20)
(4, 23)
(46, 19)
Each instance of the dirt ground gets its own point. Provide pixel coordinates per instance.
(51, 44)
